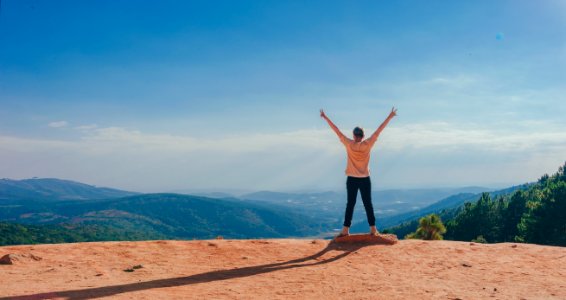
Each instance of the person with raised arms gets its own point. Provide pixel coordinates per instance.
(357, 170)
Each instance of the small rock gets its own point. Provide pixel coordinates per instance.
(8, 259)
(35, 257)
(133, 268)
(513, 246)
(245, 257)
(495, 289)
(466, 265)
(99, 274)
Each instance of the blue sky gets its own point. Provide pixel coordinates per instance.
(167, 95)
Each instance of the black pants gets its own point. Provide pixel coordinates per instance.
(352, 186)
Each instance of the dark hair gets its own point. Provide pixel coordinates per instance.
(359, 132)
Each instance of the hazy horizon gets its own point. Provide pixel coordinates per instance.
(169, 95)
(239, 192)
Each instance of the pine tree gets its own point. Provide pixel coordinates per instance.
(430, 228)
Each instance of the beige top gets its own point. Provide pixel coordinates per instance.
(358, 155)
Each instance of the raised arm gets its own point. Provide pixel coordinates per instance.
(338, 132)
(377, 132)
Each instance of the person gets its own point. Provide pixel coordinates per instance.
(357, 170)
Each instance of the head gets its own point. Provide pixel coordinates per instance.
(358, 134)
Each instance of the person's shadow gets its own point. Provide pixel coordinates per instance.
(107, 291)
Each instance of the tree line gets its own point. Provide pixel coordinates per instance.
(23, 234)
(536, 215)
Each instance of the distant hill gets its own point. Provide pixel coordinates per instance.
(383, 198)
(56, 202)
(52, 189)
(169, 215)
(329, 206)
(83, 209)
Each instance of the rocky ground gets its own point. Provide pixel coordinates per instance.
(283, 269)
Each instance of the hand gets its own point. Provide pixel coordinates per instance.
(322, 114)
(393, 112)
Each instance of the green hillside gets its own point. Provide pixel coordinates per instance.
(21, 234)
(166, 216)
(535, 214)
(407, 221)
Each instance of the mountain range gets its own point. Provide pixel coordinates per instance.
(329, 206)
(53, 189)
(73, 205)
(167, 215)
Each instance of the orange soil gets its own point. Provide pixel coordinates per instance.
(285, 269)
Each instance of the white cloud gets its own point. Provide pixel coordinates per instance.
(434, 153)
(115, 138)
(446, 137)
(58, 124)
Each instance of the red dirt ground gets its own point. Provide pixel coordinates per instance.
(284, 269)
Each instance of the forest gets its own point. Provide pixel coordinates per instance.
(535, 215)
